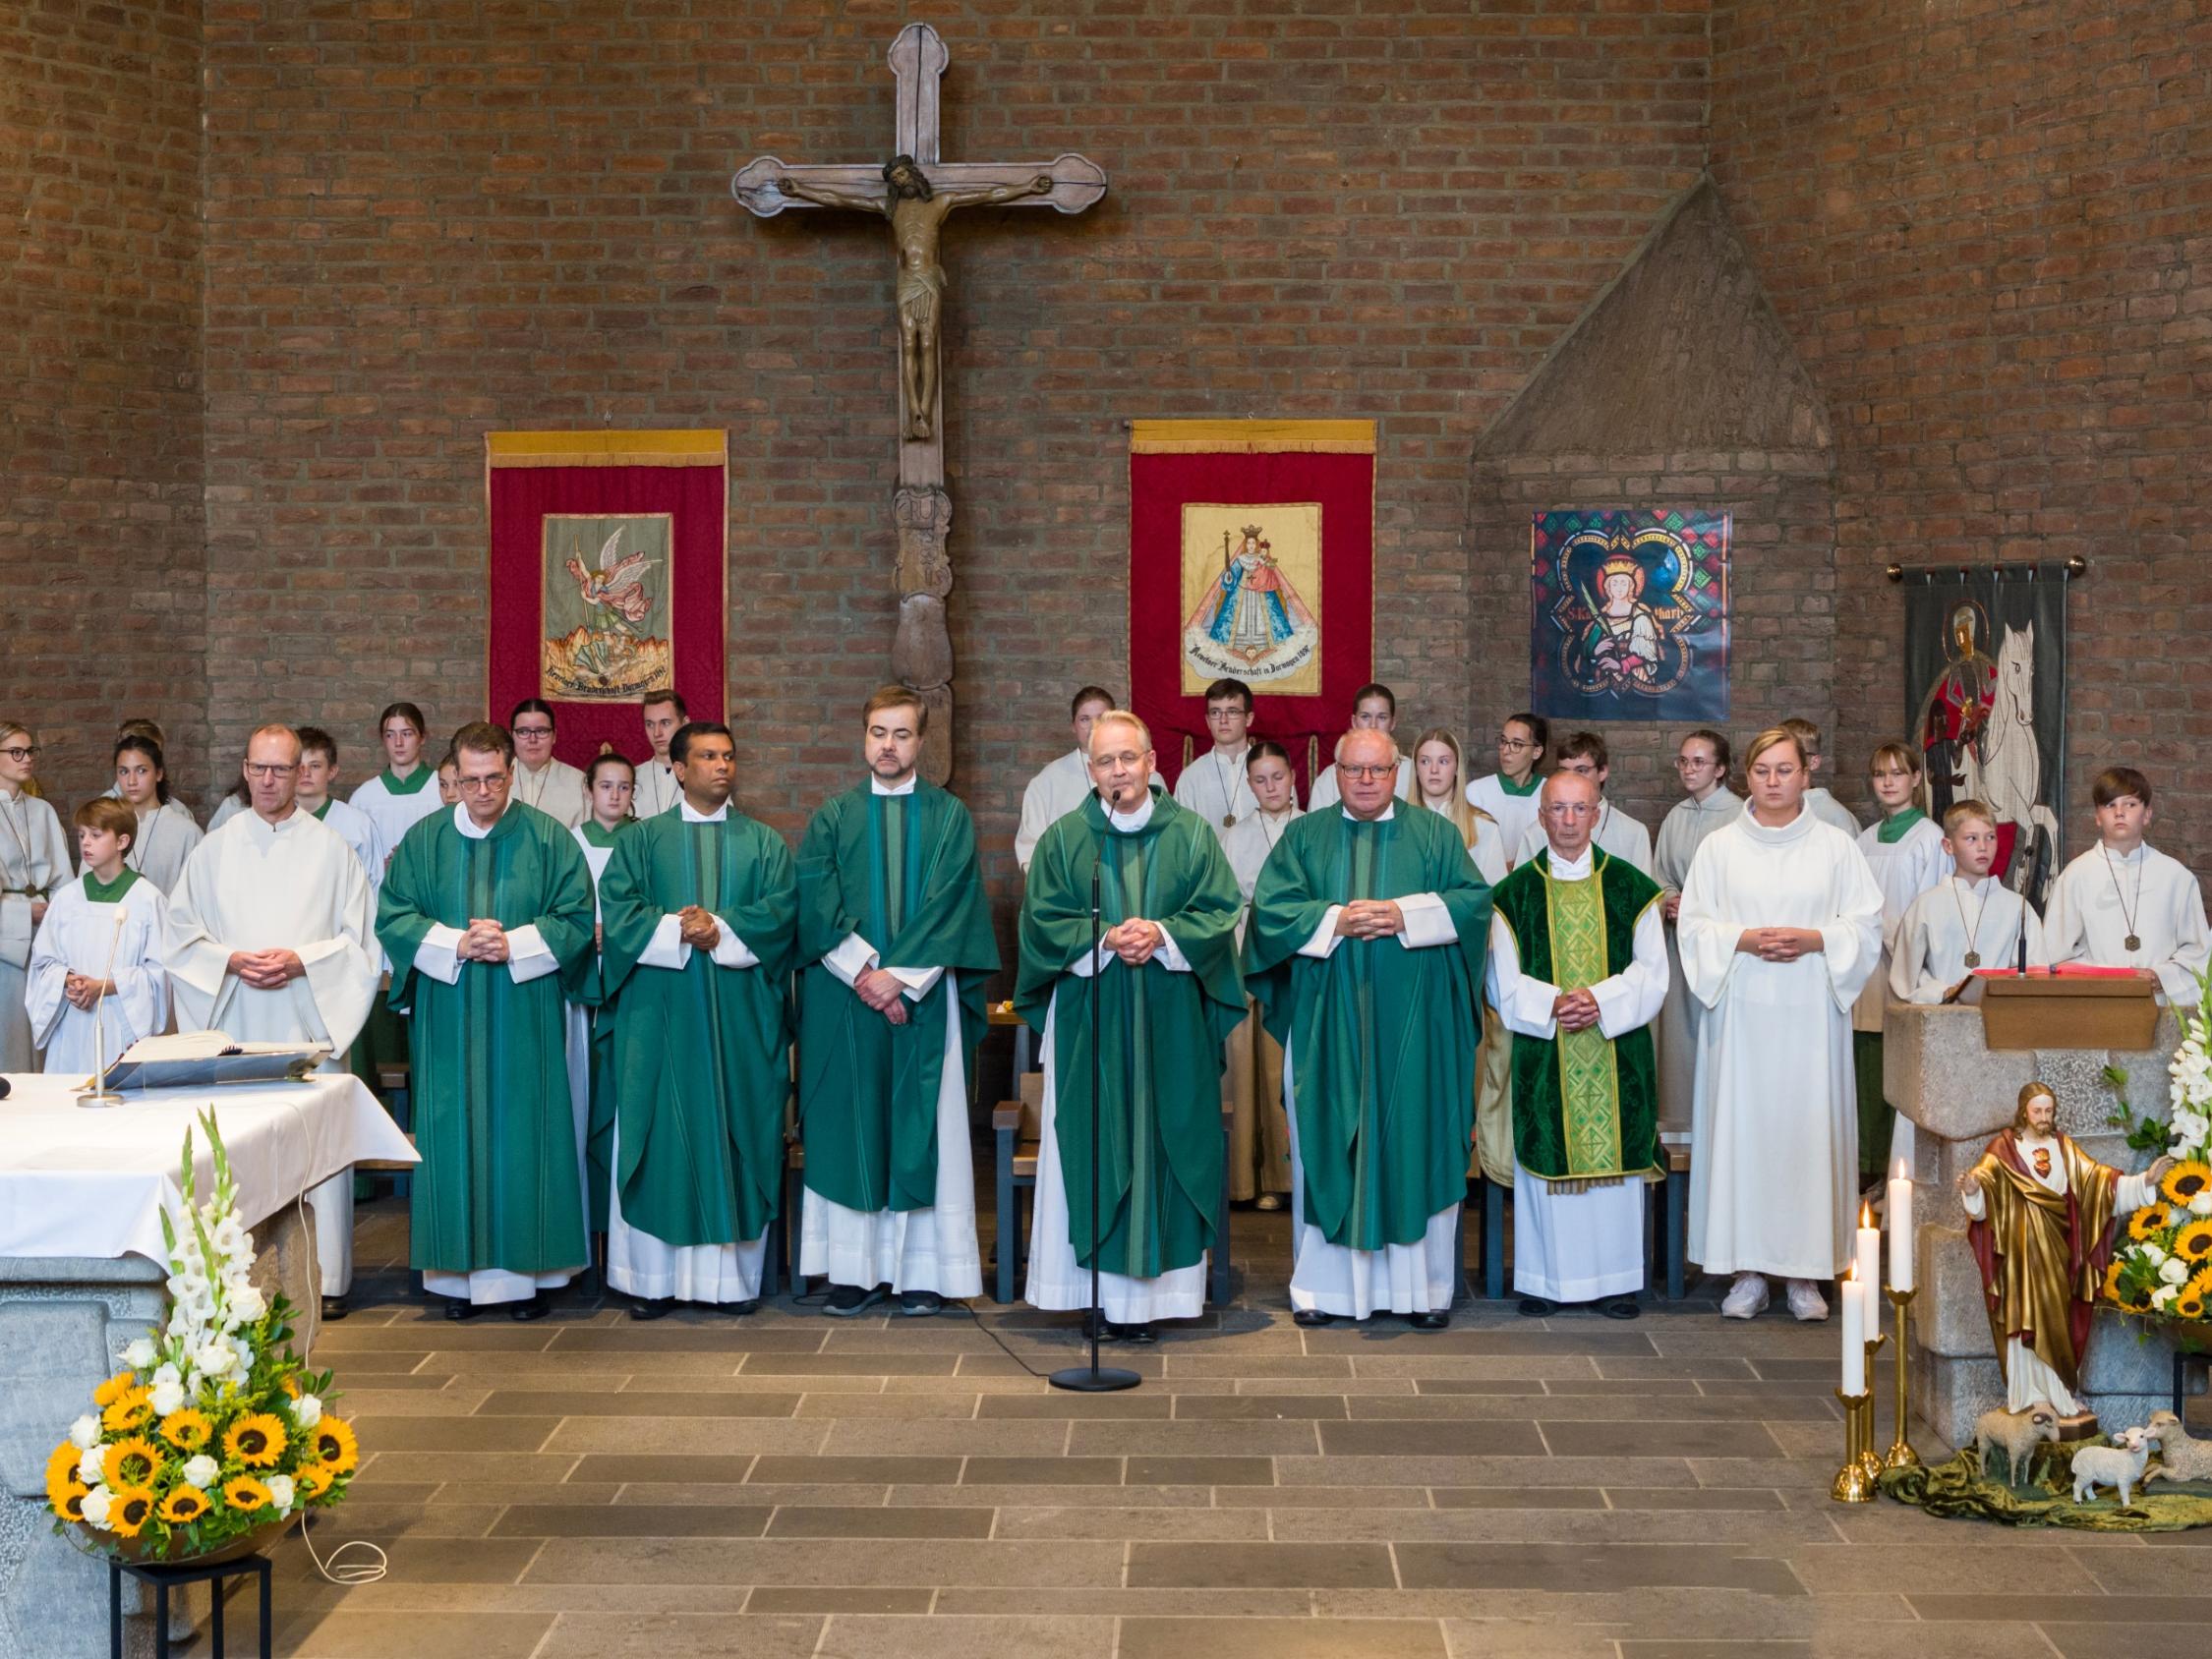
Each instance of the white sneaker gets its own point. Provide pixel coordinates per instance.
(1746, 1297)
(1806, 1301)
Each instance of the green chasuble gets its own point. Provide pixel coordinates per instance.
(702, 1066)
(1382, 1039)
(497, 1184)
(900, 871)
(1585, 1105)
(1160, 1135)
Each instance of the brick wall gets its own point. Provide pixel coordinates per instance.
(1985, 226)
(99, 380)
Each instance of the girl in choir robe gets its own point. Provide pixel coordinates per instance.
(1260, 1168)
(167, 832)
(96, 964)
(1701, 766)
(405, 792)
(2124, 903)
(1781, 924)
(611, 784)
(1509, 794)
(1905, 852)
(33, 863)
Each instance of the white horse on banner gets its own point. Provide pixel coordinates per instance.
(2006, 766)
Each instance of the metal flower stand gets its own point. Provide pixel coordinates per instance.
(163, 1578)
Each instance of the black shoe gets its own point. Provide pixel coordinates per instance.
(651, 1308)
(920, 1304)
(459, 1308)
(1313, 1318)
(738, 1310)
(335, 1308)
(1538, 1307)
(535, 1306)
(1142, 1333)
(848, 1301)
(1619, 1308)
(1428, 1321)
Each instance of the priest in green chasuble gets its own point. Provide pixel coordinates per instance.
(1168, 996)
(482, 910)
(894, 945)
(1578, 972)
(699, 912)
(1365, 955)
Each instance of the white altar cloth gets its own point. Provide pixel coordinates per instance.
(77, 1182)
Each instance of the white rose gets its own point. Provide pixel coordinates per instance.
(244, 1358)
(215, 1358)
(201, 1470)
(306, 1411)
(2165, 1296)
(166, 1372)
(280, 1491)
(167, 1397)
(248, 1303)
(2175, 1271)
(139, 1355)
(92, 1467)
(2155, 1254)
(85, 1432)
(2201, 1204)
(96, 1506)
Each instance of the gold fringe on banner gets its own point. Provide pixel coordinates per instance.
(1251, 437)
(703, 449)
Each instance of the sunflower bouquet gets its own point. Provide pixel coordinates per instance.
(214, 1430)
(2163, 1266)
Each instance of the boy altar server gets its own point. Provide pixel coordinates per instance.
(2124, 903)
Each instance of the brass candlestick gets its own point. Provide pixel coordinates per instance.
(1870, 1460)
(1900, 1455)
(1853, 1484)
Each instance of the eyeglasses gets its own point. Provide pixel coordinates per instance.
(1683, 763)
(481, 785)
(1350, 770)
(1126, 758)
(533, 731)
(256, 769)
(19, 755)
(1515, 743)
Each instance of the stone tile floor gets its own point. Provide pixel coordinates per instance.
(789, 1485)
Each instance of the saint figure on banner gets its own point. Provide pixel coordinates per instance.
(1251, 612)
(1623, 641)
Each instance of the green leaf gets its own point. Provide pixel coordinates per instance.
(2115, 1076)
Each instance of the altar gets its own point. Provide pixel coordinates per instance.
(82, 1275)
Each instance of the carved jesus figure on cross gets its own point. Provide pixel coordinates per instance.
(916, 212)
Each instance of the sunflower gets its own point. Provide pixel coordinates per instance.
(187, 1430)
(2185, 1180)
(2147, 1223)
(244, 1492)
(291, 1386)
(131, 1509)
(131, 1463)
(312, 1481)
(2190, 1304)
(69, 1500)
(185, 1504)
(255, 1440)
(2113, 1292)
(128, 1411)
(61, 1465)
(335, 1449)
(2193, 1243)
(2201, 1285)
(109, 1392)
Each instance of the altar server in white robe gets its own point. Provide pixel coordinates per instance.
(1969, 920)
(1701, 765)
(1064, 785)
(318, 771)
(1375, 707)
(272, 938)
(2124, 903)
(167, 831)
(552, 787)
(1259, 1165)
(657, 790)
(99, 949)
(33, 863)
(405, 792)
(1213, 786)
(1509, 794)
(1818, 801)
(1780, 925)
(1584, 752)
(1587, 1119)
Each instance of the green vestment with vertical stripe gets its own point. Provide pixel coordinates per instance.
(1382, 1038)
(1160, 1154)
(497, 1186)
(900, 871)
(1585, 1105)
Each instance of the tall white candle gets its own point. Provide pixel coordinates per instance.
(1900, 1208)
(1866, 1253)
(1854, 1335)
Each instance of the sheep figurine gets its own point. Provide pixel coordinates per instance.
(2180, 1454)
(2018, 1432)
(2120, 1465)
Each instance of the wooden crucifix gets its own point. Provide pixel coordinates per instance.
(916, 192)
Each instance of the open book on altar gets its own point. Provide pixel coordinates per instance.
(203, 1058)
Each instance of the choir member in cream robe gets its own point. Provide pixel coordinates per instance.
(1578, 1217)
(1064, 785)
(103, 932)
(1375, 707)
(1780, 925)
(1509, 794)
(2124, 903)
(167, 833)
(1623, 836)
(33, 863)
(657, 790)
(611, 782)
(318, 771)
(405, 792)
(1969, 920)
(1905, 852)
(1440, 780)
(1213, 786)
(1701, 762)
(1259, 1165)
(272, 938)
(552, 787)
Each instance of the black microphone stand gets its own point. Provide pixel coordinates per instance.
(1091, 1378)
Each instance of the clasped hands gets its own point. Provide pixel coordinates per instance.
(1371, 918)
(81, 991)
(267, 970)
(1134, 941)
(485, 941)
(1780, 944)
(883, 991)
(698, 928)
(1575, 1010)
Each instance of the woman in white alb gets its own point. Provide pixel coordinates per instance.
(1260, 1167)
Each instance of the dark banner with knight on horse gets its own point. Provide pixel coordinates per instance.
(1985, 663)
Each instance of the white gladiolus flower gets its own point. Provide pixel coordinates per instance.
(96, 1506)
(201, 1470)
(139, 1355)
(244, 1358)
(85, 1432)
(307, 1410)
(2175, 1271)
(281, 1490)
